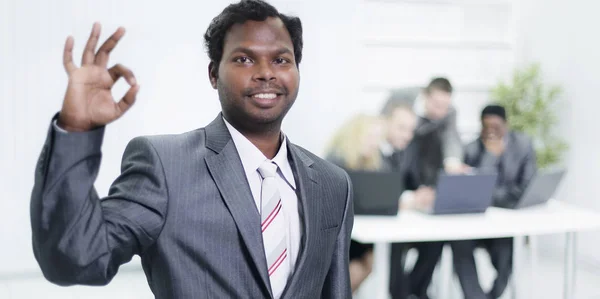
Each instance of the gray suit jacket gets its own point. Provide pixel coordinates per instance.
(516, 167)
(182, 202)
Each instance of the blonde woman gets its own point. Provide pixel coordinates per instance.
(356, 147)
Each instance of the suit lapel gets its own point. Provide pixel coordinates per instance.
(308, 193)
(229, 176)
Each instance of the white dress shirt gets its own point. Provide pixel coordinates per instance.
(252, 158)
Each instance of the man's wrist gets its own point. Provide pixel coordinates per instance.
(58, 128)
(66, 127)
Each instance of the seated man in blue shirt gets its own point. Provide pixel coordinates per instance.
(512, 156)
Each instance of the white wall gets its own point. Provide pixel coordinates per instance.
(563, 37)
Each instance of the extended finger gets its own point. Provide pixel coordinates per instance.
(90, 47)
(128, 99)
(118, 71)
(104, 52)
(68, 55)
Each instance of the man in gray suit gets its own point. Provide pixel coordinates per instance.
(512, 156)
(231, 210)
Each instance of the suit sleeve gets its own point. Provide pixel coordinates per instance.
(507, 196)
(337, 282)
(79, 238)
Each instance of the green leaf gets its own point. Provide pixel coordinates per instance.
(529, 104)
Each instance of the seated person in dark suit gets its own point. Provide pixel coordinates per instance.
(400, 152)
(512, 156)
(356, 147)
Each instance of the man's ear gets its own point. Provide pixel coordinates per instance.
(212, 74)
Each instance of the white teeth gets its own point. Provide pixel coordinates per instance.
(265, 95)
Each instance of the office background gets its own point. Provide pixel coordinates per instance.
(355, 52)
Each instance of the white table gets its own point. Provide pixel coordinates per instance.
(410, 226)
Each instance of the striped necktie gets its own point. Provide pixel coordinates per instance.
(274, 229)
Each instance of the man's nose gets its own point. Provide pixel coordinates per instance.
(264, 72)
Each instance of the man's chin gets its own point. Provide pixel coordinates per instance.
(266, 118)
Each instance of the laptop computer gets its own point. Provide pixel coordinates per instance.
(541, 188)
(376, 193)
(462, 194)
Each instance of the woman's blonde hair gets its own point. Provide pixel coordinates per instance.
(347, 143)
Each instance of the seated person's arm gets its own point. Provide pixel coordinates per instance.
(417, 195)
(508, 196)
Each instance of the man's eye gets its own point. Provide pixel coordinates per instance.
(243, 59)
(281, 60)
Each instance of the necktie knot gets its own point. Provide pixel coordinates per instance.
(267, 169)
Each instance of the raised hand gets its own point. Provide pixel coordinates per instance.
(494, 145)
(88, 102)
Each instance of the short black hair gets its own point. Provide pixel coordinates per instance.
(239, 13)
(496, 110)
(439, 83)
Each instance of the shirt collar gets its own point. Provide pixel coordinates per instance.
(252, 157)
(386, 149)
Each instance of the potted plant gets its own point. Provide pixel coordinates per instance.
(530, 109)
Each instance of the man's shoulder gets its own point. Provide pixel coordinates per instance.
(521, 140)
(171, 142)
(521, 137)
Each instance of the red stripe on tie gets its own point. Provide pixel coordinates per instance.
(278, 262)
(273, 211)
(274, 214)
